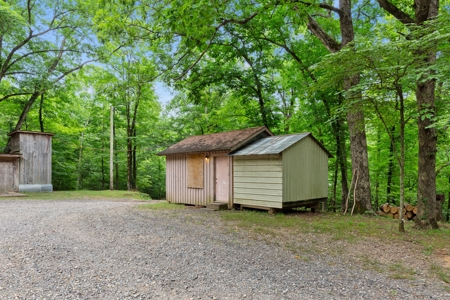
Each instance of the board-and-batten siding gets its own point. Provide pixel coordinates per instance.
(176, 182)
(258, 181)
(305, 166)
(9, 175)
(36, 161)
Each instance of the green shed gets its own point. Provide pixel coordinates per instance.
(279, 172)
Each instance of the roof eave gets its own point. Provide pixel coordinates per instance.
(190, 152)
(246, 141)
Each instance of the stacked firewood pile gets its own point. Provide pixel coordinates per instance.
(409, 211)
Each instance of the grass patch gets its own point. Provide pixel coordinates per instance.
(83, 195)
(370, 263)
(442, 273)
(328, 228)
(163, 205)
(400, 271)
(348, 228)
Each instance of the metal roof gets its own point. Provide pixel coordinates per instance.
(270, 145)
(223, 141)
(275, 145)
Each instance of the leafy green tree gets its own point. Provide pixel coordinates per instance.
(45, 42)
(419, 29)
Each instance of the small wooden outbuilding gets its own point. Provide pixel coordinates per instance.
(198, 170)
(35, 160)
(279, 172)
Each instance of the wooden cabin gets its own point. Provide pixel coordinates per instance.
(35, 160)
(199, 170)
(279, 172)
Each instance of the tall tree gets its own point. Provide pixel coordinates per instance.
(423, 11)
(48, 41)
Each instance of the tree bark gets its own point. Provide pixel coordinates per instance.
(41, 118)
(428, 211)
(134, 163)
(342, 158)
(355, 114)
(401, 224)
(358, 148)
(390, 174)
(448, 204)
(335, 175)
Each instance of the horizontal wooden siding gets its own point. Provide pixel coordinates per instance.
(258, 182)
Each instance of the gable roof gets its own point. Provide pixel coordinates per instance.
(223, 141)
(275, 145)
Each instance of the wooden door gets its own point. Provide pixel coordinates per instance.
(7, 177)
(222, 182)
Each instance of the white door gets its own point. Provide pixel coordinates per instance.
(222, 183)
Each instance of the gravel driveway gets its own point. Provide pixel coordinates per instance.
(112, 250)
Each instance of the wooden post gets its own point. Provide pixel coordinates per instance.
(111, 149)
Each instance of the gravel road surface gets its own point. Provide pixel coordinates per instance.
(112, 250)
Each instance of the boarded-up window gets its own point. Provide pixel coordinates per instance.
(195, 171)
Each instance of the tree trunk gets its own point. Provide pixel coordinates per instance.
(342, 158)
(355, 114)
(401, 223)
(116, 163)
(41, 118)
(134, 161)
(356, 121)
(428, 211)
(448, 204)
(390, 174)
(103, 154)
(341, 151)
(80, 159)
(358, 148)
(129, 164)
(377, 176)
(335, 175)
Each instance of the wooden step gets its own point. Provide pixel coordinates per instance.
(217, 205)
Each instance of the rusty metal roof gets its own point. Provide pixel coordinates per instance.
(275, 145)
(223, 141)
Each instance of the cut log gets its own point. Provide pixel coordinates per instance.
(409, 207)
(394, 209)
(390, 215)
(409, 214)
(382, 213)
(385, 207)
(396, 216)
(414, 210)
